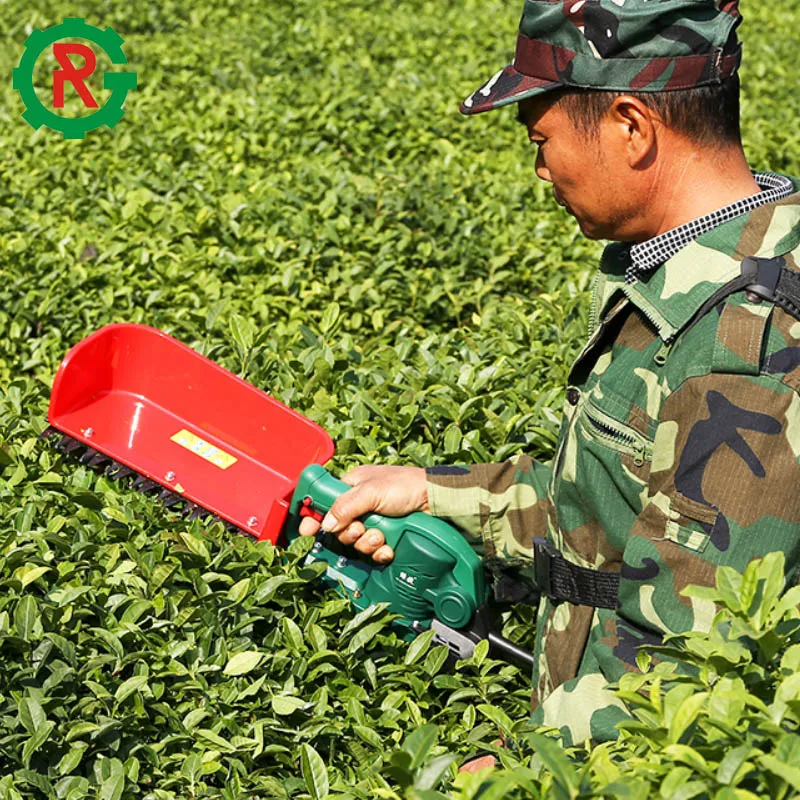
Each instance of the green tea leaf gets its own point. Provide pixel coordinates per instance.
(37, 739)
(365, 635)
(686, 714)
(557, 763)
(433, 772)
(787, 772)
(31, 714)
(26, 618)
(329, 317)
(71, 759)
(419, 647)
(293, 634)
(138, 683)
(314, 772)
(242, 663)
(368, 735)
(419, 743)
(498, 716)
(243, 333)
(28, 574)
(196, 546)
(214, 739)
(114, 782)
(285, 705)
(239, 590)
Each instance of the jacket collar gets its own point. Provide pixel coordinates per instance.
(670, 296)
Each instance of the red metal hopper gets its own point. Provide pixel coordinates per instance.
(133, 395)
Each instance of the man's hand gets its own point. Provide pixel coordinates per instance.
(393, 491)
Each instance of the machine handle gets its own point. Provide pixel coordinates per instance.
(317, 490)
(435, 572)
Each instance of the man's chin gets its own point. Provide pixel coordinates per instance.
(591, 230)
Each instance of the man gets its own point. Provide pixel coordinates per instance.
(678, 451)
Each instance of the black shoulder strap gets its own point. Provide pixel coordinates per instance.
(767, 277)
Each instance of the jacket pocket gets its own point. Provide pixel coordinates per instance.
(690, 524)
(596, 424)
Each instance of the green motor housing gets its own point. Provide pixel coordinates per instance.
(435, 573)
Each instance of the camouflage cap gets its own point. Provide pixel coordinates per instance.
(617, 45)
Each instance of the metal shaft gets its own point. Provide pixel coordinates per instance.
(507, 648)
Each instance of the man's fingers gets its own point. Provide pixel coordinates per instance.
(351, 533)
(370, 542)
(383, 555)
(308, 526)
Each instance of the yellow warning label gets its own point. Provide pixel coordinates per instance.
(219, 458)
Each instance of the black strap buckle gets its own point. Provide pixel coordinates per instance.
(768, 278)
(543, 555)
(764, 274)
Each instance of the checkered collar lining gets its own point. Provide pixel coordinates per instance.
(646, 256)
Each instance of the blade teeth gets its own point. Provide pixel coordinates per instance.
(88, 455)
(142, 484)
(188, 508)
(68, 445)
(168, 498)
(97, 460)
(117, 471)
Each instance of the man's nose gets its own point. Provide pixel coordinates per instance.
(541, 168)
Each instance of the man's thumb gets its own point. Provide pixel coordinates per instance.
(346, 507)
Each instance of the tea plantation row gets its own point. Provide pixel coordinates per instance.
(293, 193)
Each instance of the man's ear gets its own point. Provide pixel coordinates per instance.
(636, 125)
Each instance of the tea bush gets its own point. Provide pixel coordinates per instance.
(293, 193)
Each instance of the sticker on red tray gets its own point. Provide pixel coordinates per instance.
(219, 458)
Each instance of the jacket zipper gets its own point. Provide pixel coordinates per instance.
(658, 322)
(617, 436)
(560, 455)
(661, 356)
(594, 309)
(558, 462)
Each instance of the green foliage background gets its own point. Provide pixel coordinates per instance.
(293, 193)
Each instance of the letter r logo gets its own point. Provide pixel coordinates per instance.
(69, 73)
(77, 71)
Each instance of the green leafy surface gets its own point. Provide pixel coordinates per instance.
(293, 193)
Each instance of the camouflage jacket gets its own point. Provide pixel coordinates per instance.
(678, 453)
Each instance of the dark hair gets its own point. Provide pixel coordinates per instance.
(707, 115)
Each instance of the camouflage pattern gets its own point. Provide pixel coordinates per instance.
(619, 45)
(678, 453)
